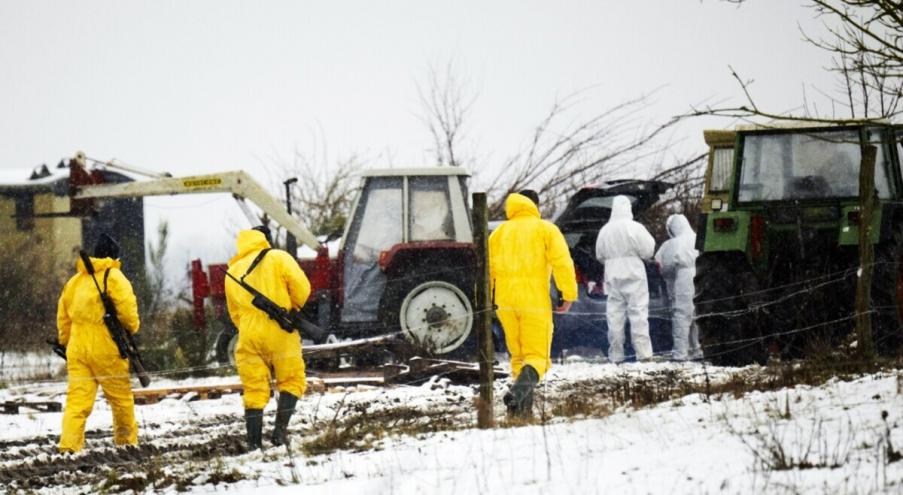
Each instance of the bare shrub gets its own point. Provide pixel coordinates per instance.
(684, 197)
(28, 299)
(570, 147)
(810, 448)
(324, 192)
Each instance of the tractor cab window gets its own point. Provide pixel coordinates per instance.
(883, 170)
(722, 162)
(814, 165)
(376, 227)
(379, 227)
(430, 209)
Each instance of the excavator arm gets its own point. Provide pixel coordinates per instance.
(237, 183)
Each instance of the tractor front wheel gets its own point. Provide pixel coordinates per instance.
(728, 330)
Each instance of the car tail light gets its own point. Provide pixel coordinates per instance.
(724, 224)
(596, 289)
(853, 217)
(757, 237)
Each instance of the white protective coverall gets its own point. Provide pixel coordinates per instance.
(677, 259)
(622, 246)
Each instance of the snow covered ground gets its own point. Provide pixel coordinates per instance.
(639, 428)
(17, 366)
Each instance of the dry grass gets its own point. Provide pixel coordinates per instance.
(364, 430)
(599, 397)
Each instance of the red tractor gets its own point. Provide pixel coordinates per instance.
(404, 266)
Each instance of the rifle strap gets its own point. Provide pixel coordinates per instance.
(106, 275)
(254, 263)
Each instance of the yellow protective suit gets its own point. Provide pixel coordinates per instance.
(523, 253)
(262, 344)
(91, 355)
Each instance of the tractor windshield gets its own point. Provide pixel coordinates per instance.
(806, 165)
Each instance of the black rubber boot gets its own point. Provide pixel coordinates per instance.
(254, 424)
(284, 409)
(519, 399)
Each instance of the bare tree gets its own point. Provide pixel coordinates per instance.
(688, 178)
(325, 188)
(866, 37)
(446, 99)
(566, 151)
(324, 191)
(866, 40)
(151, 286)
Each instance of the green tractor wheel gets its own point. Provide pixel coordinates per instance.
(728, 330)
(887, 295)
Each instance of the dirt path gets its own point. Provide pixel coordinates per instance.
(179, 453)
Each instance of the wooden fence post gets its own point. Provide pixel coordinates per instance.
(865, 342)
(483, 310)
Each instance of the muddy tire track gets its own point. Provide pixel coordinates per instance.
(35, 467)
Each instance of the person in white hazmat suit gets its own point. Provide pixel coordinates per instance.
(621, 246)
(677, 259)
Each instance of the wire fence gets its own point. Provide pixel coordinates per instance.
(712, 350)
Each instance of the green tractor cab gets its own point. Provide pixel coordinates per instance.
(779, 237)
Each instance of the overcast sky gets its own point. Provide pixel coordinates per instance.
(205, 86)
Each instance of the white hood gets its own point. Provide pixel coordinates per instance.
(621, 209)
(678, 226)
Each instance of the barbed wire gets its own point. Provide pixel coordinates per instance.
(662, 313)
(838, 276)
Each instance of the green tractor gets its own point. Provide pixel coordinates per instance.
(778, 240)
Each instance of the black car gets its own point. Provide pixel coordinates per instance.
(583, 329)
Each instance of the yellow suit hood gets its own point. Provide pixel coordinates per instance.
(248, 241)
(100, 265)
(518, 205)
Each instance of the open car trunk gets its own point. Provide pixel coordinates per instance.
(590, 209)
(583, 329)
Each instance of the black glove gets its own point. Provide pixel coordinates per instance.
(58, 349)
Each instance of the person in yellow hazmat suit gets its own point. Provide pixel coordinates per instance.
(92, 357)
(524, 252)
(262, 343)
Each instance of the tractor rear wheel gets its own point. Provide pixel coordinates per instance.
(728, 330)
(887, 294)
(433, 310)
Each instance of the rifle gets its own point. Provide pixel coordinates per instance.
(58, 349)
(122, 337)
(287, 320)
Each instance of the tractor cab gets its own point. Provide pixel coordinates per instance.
(406, 261)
